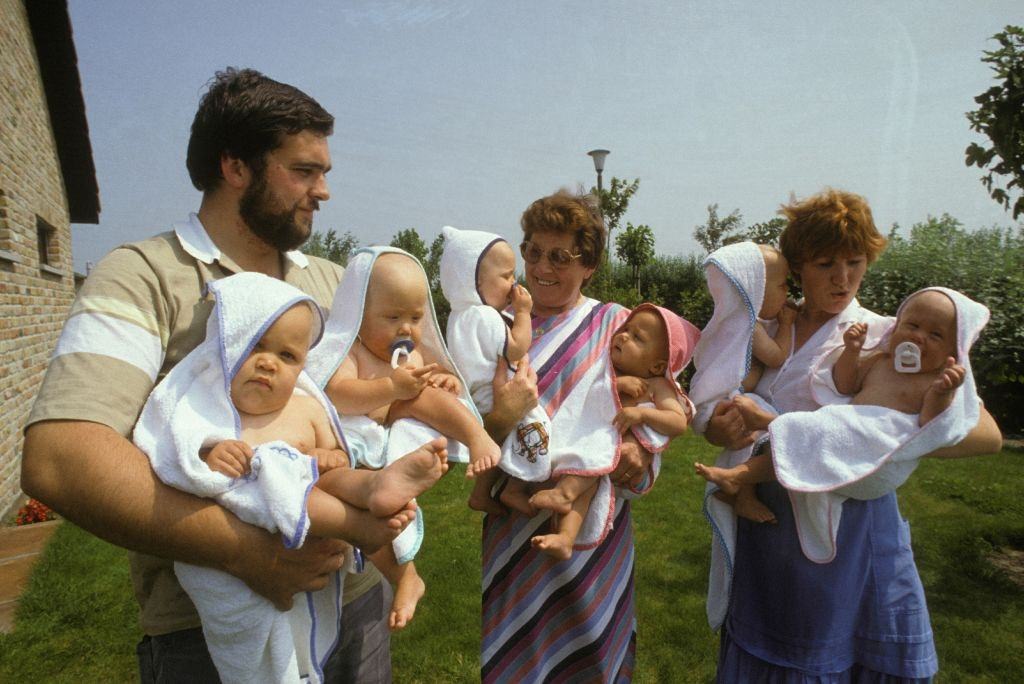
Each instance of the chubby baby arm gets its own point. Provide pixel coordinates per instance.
(667, 416)
(353, 395)
(521, 333)
(230, 457)
(846, 373)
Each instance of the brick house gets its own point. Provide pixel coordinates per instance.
(47, 181)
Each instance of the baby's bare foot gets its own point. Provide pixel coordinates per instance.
(723, 477)
(408, 593)
(480, 498)
(748, 506)
(755, 416)
(484, 454)
(517, 497)
(408, 477)
(558, 546)
(553, 500)
(370, 532)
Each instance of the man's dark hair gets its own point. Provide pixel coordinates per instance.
(244, 114)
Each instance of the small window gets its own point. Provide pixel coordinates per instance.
(46, 236)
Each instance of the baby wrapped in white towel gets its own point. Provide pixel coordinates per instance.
(911, 395)
(238, 420)
(478, 279)
(385, 367)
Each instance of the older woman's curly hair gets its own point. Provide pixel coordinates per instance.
(578, 215)
(832, 222)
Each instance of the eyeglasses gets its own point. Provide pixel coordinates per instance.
(558, 257)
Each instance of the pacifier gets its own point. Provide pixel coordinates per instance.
(401, 346)
(907, 358)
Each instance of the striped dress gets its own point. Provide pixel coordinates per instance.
(550, 621)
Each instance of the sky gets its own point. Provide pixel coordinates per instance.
(462, 113)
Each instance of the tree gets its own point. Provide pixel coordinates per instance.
(1000, 116)
(411, 242)
(329, 246)
(635, 246)
(766, 232)
(614, 202)
(719, 231)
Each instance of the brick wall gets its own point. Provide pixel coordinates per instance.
(34, 299)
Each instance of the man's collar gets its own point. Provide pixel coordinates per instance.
(197, 243)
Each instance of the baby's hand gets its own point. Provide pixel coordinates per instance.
(787, 314)
(329, 459)
(446, 382)
(631, 386)
(408, 381)
(627, 418)
(522, 301)
(855, 336)
(230, 457)
(951, 377)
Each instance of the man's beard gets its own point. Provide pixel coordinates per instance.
(277, 228)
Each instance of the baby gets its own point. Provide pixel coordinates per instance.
(366, 383)
(263, 392)
(771, 351)
(646, 359)
(478, 334)
(239, 420)
(917, 373)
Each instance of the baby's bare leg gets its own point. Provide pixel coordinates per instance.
(755, 417)
(748, 506)
(516, 496)
(559, 545)
(444, 412)
(480, 498)
(389, 489)
(729, 480)
(332, 517)
(559, 499)
(409, 586)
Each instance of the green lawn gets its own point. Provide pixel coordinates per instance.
(77, 621)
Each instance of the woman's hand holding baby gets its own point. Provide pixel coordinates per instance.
(230, 457)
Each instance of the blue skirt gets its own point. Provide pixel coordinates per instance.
(857, 618)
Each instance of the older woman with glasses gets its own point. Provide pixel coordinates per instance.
(574, 619)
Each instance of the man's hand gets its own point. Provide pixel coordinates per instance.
(726, 427)
(277, 573)
(407, 382)
(230, 457)
(634, 461)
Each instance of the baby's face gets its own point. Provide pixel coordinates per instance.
(775, 289)
(929, 321)
(267, 378)
(396, 303)
(640, 347)
(497, 275)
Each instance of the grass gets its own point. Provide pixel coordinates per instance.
(77, 621)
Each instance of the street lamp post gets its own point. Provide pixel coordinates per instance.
(599, 156)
